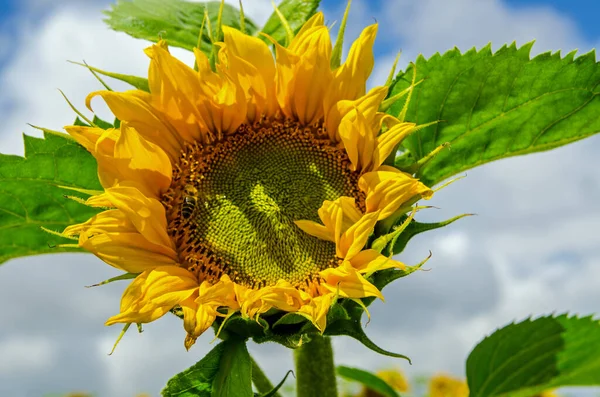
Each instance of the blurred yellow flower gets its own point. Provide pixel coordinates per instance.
(447, 386)
(547, 393)
(393, 377)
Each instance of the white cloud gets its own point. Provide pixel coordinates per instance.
(454, 244)
(21, 355)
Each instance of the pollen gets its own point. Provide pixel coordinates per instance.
(232, 204)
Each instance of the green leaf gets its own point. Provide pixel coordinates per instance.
(197, 380)
(234, 377)
(415, 228)
(491, 106)
(101, 123)
(372, 381)
(80, 123)
(524, 359)
(296, 12)
(176, 21)
(31, 196)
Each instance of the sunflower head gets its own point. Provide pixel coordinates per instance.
(246, 195)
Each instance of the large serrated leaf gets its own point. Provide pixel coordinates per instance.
(31, 196)
(176, 21)
(524, 359)
(495, 105)
(296, 12)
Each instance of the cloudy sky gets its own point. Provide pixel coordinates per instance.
(533, 248)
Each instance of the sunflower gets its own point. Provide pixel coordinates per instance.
(393, 377)
(247, 186)
(442, 385)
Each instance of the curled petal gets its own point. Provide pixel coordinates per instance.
(114, 239)
(366, 105)
(346, 280)
(251, 65)
(153, 293)
(303, 74)
(96, 140)
(369, 261)
(316, 310)
(387, 189)
(135, 108)
(146, 214)
(350, 79)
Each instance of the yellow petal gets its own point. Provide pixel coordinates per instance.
(114, 239)
(153, 293)
(350, 79)
(316, 311)
(222, 292)
(358, 140)
(332, 216)
(337, 217)
(134, 107)
(351, 213)
(175, 88)
(252, 65)
(222, 103)
(303, 74)
(147, 214)
(367, 105)
(142, 161)
(315, 229)
(348, 282)
(387, 141)
(95, 140)
(369, 261)
(387, 189)
(283, 296)
(251, 304)
(316, 20)
(354, 239)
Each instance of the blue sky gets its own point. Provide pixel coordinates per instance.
(532, 249)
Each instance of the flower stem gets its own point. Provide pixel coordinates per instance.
(315, 372)
(260, 380)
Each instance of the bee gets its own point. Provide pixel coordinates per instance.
(190, 200)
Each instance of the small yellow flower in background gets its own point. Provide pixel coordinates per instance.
(393, 377)
(447, 386)
(548, 393)
(250, 187)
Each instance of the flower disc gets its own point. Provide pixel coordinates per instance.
(232, 205)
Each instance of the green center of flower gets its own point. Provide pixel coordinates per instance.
(232, 205)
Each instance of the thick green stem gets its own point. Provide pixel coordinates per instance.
(260, 380)
(315, 371)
